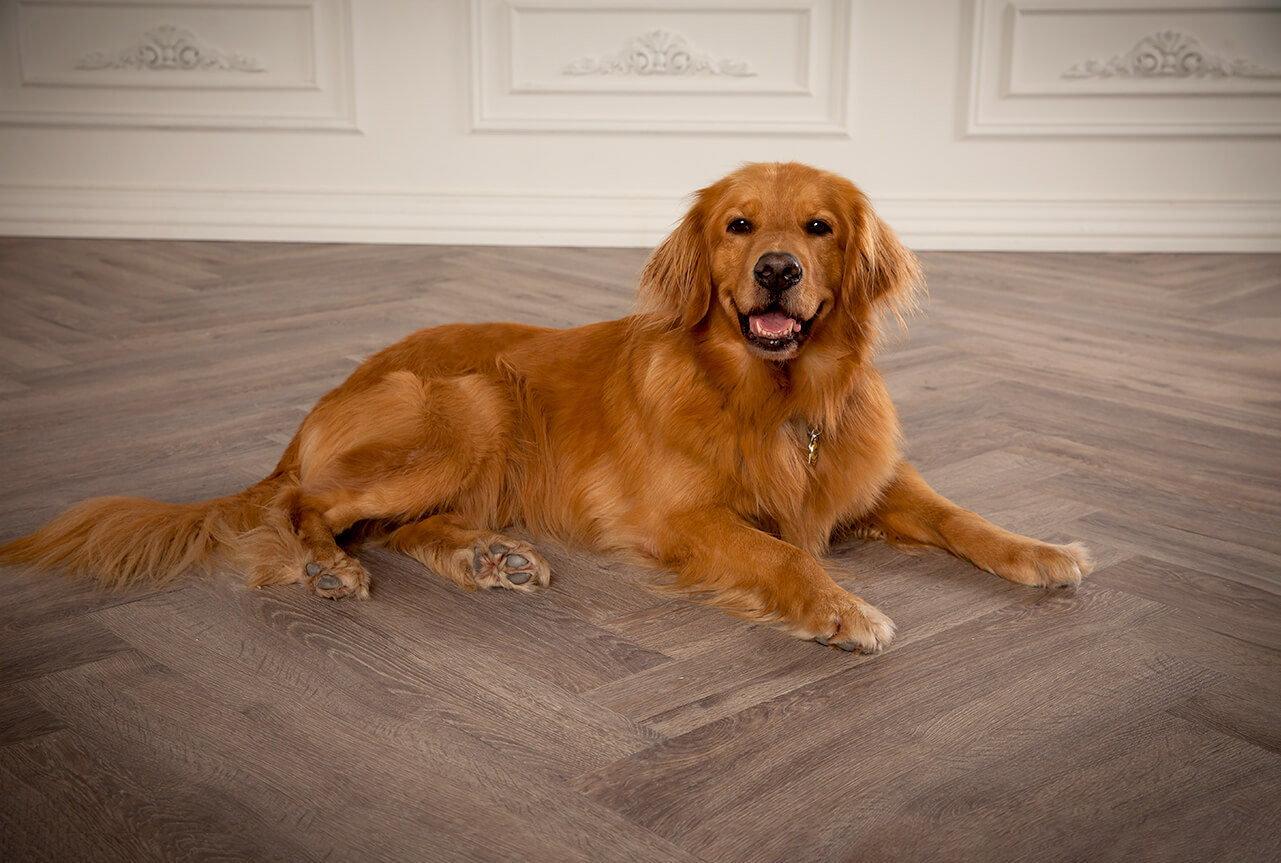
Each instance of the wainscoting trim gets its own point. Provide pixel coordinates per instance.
(614, 220)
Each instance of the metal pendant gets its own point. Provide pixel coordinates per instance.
(813, 445)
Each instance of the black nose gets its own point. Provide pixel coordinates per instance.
(777, 271)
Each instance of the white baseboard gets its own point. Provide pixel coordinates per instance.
(1087, 226)
(607, 220)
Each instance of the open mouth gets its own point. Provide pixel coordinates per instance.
(773, 330)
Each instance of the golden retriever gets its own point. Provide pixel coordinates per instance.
(725, 433)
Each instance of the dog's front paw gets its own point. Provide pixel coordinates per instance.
(857, 627)
(1040, 564)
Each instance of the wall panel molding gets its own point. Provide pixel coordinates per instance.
(778, 67)
(614, 220)
(659, 52)
(212, 64)
(1137, 67)
(1171, 54)
(166, 48)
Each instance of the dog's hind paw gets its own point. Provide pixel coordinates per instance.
(506, 563)
(342, 578)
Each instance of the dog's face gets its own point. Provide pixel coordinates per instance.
(784, 254)
(776, 243)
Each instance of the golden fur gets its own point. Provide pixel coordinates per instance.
(680, 436)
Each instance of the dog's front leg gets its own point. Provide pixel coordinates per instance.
(912, 513)
(756, 576)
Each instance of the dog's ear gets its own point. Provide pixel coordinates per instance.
(676, 284)
(881, 274)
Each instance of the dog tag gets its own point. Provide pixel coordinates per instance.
(813, 446)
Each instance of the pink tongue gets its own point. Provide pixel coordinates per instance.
(772, 325)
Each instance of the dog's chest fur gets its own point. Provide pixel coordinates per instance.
(804, 497)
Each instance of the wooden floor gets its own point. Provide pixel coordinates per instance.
(1131, 402)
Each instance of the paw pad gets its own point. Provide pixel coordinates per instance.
(328, 582)
(499, 565)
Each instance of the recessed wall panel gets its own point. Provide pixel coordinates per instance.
(1048, 67)
(661, 67)
(199, 64)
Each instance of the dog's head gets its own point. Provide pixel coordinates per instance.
(782, 254)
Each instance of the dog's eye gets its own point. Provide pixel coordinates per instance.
(740, 226)
(818, 227)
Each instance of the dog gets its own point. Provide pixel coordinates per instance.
(723, 434)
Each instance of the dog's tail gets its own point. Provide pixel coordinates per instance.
(123, 541)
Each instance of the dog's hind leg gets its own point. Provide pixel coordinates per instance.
(402, 450)
(328, 571)
(295, 544)
(471, 558)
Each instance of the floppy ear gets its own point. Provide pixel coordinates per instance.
(677, 280)
(881, 274)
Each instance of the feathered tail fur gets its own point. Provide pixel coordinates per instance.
(122, 541)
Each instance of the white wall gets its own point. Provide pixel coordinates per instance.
(989, 124)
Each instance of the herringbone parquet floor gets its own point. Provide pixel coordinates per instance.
(1131, 402)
